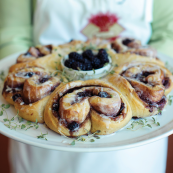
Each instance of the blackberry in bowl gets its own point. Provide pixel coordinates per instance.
(87, 64)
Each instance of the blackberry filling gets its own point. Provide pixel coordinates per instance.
(103, 56)
(16, 96)
(29, 74)
(141, 76)
(87, 61)
(81, 94)
(68, 63)
(76, 56)
(39, 54)
(166, 82)
(122, 107)
(135, 118)
(160, 104)
(73, 126)
(44, 79)
(147, 73)
(55, 107)
(84, 94)
(96, 63)
(49, 47)
(27, 54)
(88, 66)
(88, 54)
(127, 41)
(103, 94)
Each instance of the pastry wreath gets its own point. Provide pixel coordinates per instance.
(144, 85)
(81, 106)
(29, 85)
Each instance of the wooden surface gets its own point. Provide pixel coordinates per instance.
(5, 168)
(170, 155)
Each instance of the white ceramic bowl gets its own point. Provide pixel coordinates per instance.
(85, 75)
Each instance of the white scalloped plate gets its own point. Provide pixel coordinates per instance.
(122, 139)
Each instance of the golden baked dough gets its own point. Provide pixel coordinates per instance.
(123, 44)
(50, 63)
(127, 57)
(28, 89)
(129, 50)
(34, 53)
(143, 51)
(98, 42)
(14, 81)
(71, 46)
(81, 106)
(78, 45)
(144, 85)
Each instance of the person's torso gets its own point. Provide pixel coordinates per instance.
(57, 21)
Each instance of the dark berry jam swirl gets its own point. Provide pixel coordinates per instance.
(166, 82)
(127, 41)
(16, 96)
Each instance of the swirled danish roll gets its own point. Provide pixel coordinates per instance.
(50, 63)
(123, 44)
(14, 82)
(122, 58)
(34, 53)
(99, 42)
(78, 45)
(81, 106)
(29, 89)
(133, 46)
(129, 50)
(143, 51)
(71, 46)
(144, 85)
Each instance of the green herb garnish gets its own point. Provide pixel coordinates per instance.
(42, 136)
(112, 72)
(2, 75)
(3, 108)
(105, 64)
(155, 121)
(94, 71)
(73, 142)
(169, 67)
(82, 138)
(141, 123)
(159, 111)
(170, 100)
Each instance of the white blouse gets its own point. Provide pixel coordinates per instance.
(59, 21)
